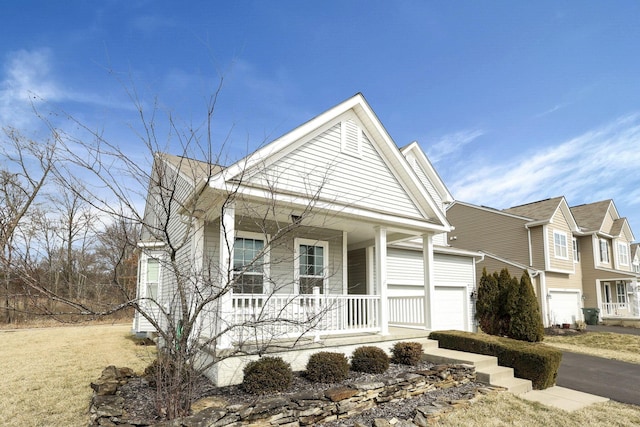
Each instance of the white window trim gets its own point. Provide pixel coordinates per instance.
(562, 234)
(623, 294)
(623, 257)
(143, 291)
(296, 262)
(266, 272)
(575, 249)
(604, 259)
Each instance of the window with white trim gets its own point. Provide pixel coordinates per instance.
(560, 244)
(636, 265)
(621, 291)
(604, 251)
(311, 265)
(249, 260)
(623, 253)
(152, 278)
(576, 250)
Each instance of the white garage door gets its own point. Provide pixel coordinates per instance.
(564, 306)
(450, 309)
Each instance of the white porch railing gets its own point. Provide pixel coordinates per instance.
(281, 316)
(615, 309)
(406, 311)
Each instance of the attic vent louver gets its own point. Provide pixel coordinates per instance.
(351, 138)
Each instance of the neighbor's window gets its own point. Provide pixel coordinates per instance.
(636, 266)
(560, 244)
(604, 250)
(248, 265)
(312, 261)
(153, 275)
(621, 292)
(623, 254)
(576, 250)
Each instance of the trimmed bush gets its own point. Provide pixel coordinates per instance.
(533, 361)
(407, 353)
(327, 367)
(526, 321)
(372, 360)
(267, 375)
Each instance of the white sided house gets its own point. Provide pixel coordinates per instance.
(330, 230)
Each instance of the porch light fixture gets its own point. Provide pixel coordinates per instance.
(473, 295)
(548, 296)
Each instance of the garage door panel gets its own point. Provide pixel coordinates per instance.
(449, 308)
(564, 306)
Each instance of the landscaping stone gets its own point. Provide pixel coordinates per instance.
(334, 406)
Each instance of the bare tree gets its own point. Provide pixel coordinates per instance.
(25, 169)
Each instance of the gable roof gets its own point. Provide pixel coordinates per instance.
(396, 163)
(427, 168)
(590, 216)
(543, 211)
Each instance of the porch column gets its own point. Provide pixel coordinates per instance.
(429, 289)
(381, 277)
(599, 298)
(227, 240)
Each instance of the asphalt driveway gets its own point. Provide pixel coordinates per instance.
(603, 377)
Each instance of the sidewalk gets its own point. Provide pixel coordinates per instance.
(563, 398)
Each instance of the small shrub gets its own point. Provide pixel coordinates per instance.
(372, 360)
(327, 367)
(267, 375)
(407, 353)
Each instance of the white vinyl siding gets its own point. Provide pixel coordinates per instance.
(452, 276)
(318, 167)
(560, 244)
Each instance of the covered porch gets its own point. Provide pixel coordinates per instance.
(325, 275)
(619, 298)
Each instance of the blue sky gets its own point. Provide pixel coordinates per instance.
(512, 101)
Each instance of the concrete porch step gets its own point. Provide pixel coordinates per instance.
(514, 385)
(443, 355)
(487, 369)
(491, 374)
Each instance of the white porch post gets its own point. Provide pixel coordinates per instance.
(635, 298)
(429, 290)
(381, 277)
(599, 298)
(227, 239)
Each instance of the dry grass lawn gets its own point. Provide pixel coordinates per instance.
(46, 375)
(602, 344)
(504, 409)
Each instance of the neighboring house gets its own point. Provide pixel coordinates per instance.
(368, 232)
(610, 277)
(555, 244)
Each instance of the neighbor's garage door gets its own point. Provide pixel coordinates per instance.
(564, 306)
(449, 308)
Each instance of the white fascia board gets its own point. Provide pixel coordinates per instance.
(429, 170)
(263, 154)
(564, 206)
(300, 201)
(401, 166)
(390, 153)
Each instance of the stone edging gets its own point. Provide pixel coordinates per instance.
(304, 408)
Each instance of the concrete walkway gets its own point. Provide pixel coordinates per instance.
(563, 398)
(488, 372)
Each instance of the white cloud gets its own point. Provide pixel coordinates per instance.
(598, 164)
(452, 143)
(30, 81)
